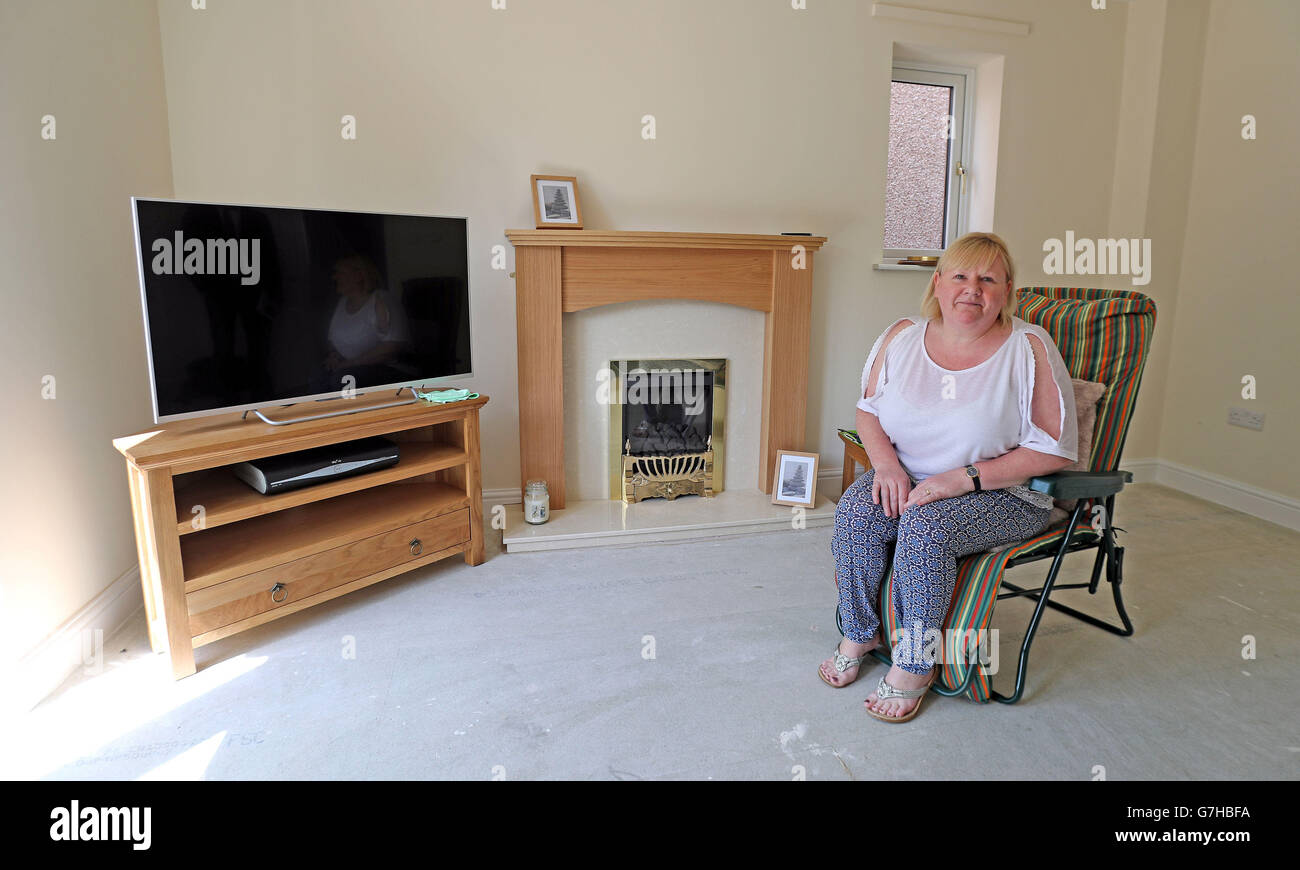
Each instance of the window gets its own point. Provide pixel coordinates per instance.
(928, 159)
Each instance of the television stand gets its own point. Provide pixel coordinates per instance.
(217, 557)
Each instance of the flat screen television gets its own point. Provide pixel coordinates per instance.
(249, 306)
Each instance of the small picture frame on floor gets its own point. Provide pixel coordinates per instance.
(796, 479)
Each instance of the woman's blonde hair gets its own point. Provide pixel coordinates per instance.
(975, 251)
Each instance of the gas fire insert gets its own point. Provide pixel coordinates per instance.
(667, 422)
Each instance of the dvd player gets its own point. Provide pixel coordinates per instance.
(288, 471)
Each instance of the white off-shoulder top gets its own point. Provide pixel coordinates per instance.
(940, 419)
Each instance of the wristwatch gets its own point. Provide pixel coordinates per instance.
(974, 474)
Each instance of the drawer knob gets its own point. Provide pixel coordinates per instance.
(279, 589)
(416, 547)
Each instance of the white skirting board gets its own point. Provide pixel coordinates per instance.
(508, 495)
(78, 643)
(1272, 506)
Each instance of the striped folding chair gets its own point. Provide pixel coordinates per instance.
(1103, 336)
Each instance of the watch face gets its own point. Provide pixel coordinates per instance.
(972, 471)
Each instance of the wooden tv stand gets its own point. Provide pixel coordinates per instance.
(217, 557)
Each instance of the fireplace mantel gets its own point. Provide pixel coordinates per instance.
(651, 239)
(559, 271)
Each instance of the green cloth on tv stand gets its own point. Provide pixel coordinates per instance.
(442, 397)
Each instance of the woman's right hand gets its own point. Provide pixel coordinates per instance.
(889, 489)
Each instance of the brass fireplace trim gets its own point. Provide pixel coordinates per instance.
(667, 476)
(617, 370)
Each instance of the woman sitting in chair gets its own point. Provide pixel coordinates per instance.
(959, 408)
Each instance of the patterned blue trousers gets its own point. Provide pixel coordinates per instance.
(930, 538)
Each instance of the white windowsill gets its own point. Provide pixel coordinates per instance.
(899, 267)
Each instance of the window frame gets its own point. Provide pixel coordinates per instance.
(957, 206)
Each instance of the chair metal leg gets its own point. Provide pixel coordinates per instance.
(1113, 558)
(1102, 552)
(1096, 570)
(1057, 561)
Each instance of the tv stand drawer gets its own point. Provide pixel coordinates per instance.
(282, 585)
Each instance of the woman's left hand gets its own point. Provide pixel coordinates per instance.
(949, 484)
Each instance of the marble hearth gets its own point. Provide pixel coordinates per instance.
(611, 523)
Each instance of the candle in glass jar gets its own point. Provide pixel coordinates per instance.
(537, 502)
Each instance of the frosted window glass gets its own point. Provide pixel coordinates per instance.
(917, 181)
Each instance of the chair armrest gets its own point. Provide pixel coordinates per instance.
(1081, 484)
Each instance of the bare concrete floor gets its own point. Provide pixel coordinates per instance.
(698, 661)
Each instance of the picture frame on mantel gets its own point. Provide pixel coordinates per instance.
(555, 202)
(796, 479)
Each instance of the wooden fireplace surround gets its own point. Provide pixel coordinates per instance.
(558, 271)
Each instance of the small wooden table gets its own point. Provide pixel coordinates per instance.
(854, 455)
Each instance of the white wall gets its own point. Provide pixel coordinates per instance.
(71, 300)
(1238, 307)
(1155, 139)
(768, 119)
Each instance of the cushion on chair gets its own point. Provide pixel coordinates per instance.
(1086, 396)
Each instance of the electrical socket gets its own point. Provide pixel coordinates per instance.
(1246, 419)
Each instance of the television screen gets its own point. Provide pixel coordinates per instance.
(247, 306)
